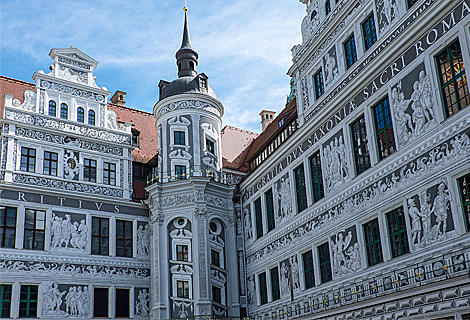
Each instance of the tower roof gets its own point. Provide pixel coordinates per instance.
(186, 43)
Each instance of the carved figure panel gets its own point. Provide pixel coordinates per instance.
(415, 115)
(182, 309)
(335, 157)
(143, 241)
(251, 289)
(430, 216)
(290, 277)
(388, 13)
(345, 249)
(73, 75)
(68, 234)
(304, 91)
(282, 199)
(179, 121)
(247, 224)
(142, 299)
(330, 66)
(71, 302)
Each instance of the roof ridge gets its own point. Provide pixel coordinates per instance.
(17, 80)
(125, 107)
(239, 129)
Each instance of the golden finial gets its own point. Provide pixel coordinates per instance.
(185, 9)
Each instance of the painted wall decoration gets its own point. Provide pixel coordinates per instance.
(330, 66)
(415, 115)
(29, 101)
(73, 75)
(251, 289)
(345, 251)
(247, 224)
(142, 303)
(388, 13)
(67, 234)
(143, 241)
(74, 302)
(71, 168)
(282, 199)
(430, 216)
(335, 158)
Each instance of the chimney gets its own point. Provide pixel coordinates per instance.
(119, 98)
(266, 118)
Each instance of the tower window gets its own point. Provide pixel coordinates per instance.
(182, 253)
(52, 108)
(191, 65)
(180, 138)
(28, 159)
(210, 146)
(182, 289)
(397, 232)
(180, 172)
(360, 145)
(300, 188)
(318, 83)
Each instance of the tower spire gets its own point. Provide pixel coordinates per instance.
(186, 57)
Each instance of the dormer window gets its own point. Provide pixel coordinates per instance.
(135, 138)
(91, 117)
(80, 115)
(64, 111)
(52, 108)
(202, 83)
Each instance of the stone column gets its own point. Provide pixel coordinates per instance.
(201, 293)
(157, 304)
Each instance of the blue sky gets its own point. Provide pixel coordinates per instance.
(243, 45)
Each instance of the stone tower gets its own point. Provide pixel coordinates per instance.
(194, 254)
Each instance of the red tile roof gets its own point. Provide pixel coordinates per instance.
(14, 87)
(144, 122)
(289, 111)
(235, 146)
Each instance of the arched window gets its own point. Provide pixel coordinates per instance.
(80, 115)
(91, 117)
(191, 65)
(179, 67)
(64, 111)
(327, 7)
(52, 108)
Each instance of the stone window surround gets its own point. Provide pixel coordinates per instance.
(184, 129)
(181, 277)
(210, 136)
(73, 104)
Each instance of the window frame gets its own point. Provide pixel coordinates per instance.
(399, 236)
(80, 115)
(53, 105)
(210, 146)
(217, 295)
(4, 226)
(64, 111)
(95, 304)
(50, 163)
(258, 218)
(109, 174)
(215, 257)
(263, 288)
(118, 304)
(5, 303)
(360, 149)
(29, 165)
(350, 57)
(180, 174)
(269, 202)
(184, 253)
(387, 128)
(318, 84)
(324, 262)
(89, 170)
(275, 285)
(466, 212)
(309, 269)
(318, 190)
(179, 138)
(182, 292)
(100, 236)
(300, 188)
(122, 241)
(372, 34)
(35, 231)
(375, 243)
(28, 301)
(91, 117)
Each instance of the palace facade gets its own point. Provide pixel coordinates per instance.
(353, 202)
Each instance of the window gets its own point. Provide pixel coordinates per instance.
(317, 179)
(100, 303)
(89, 170)
(5, 300)
(275, 292)
(464, 186)
(7, 227)
(300, 188)
(360, 145)
(411, 3)
(263, 289)
(52, 108)
(384, 129)
(397, 232)
(135, 138)
(453, 79)
(64, 111)
(123, 238)
(309, 275)
(258, 218)
(182, 289)
(91, 117)
(182, 252)
(350, 51)
(50, 163)
(109, 173)
(122, 303)
(368, 30)
(28, 159)
(215, 258)
(210, 146)
(216, 294)
(80, 115)
(34, 229)
(318, 84)
(100, 236)
(180, 172)
(373, 245)
(28, 301)
(327, 7)
(180, 138)
(324, 259)
(270, 209)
